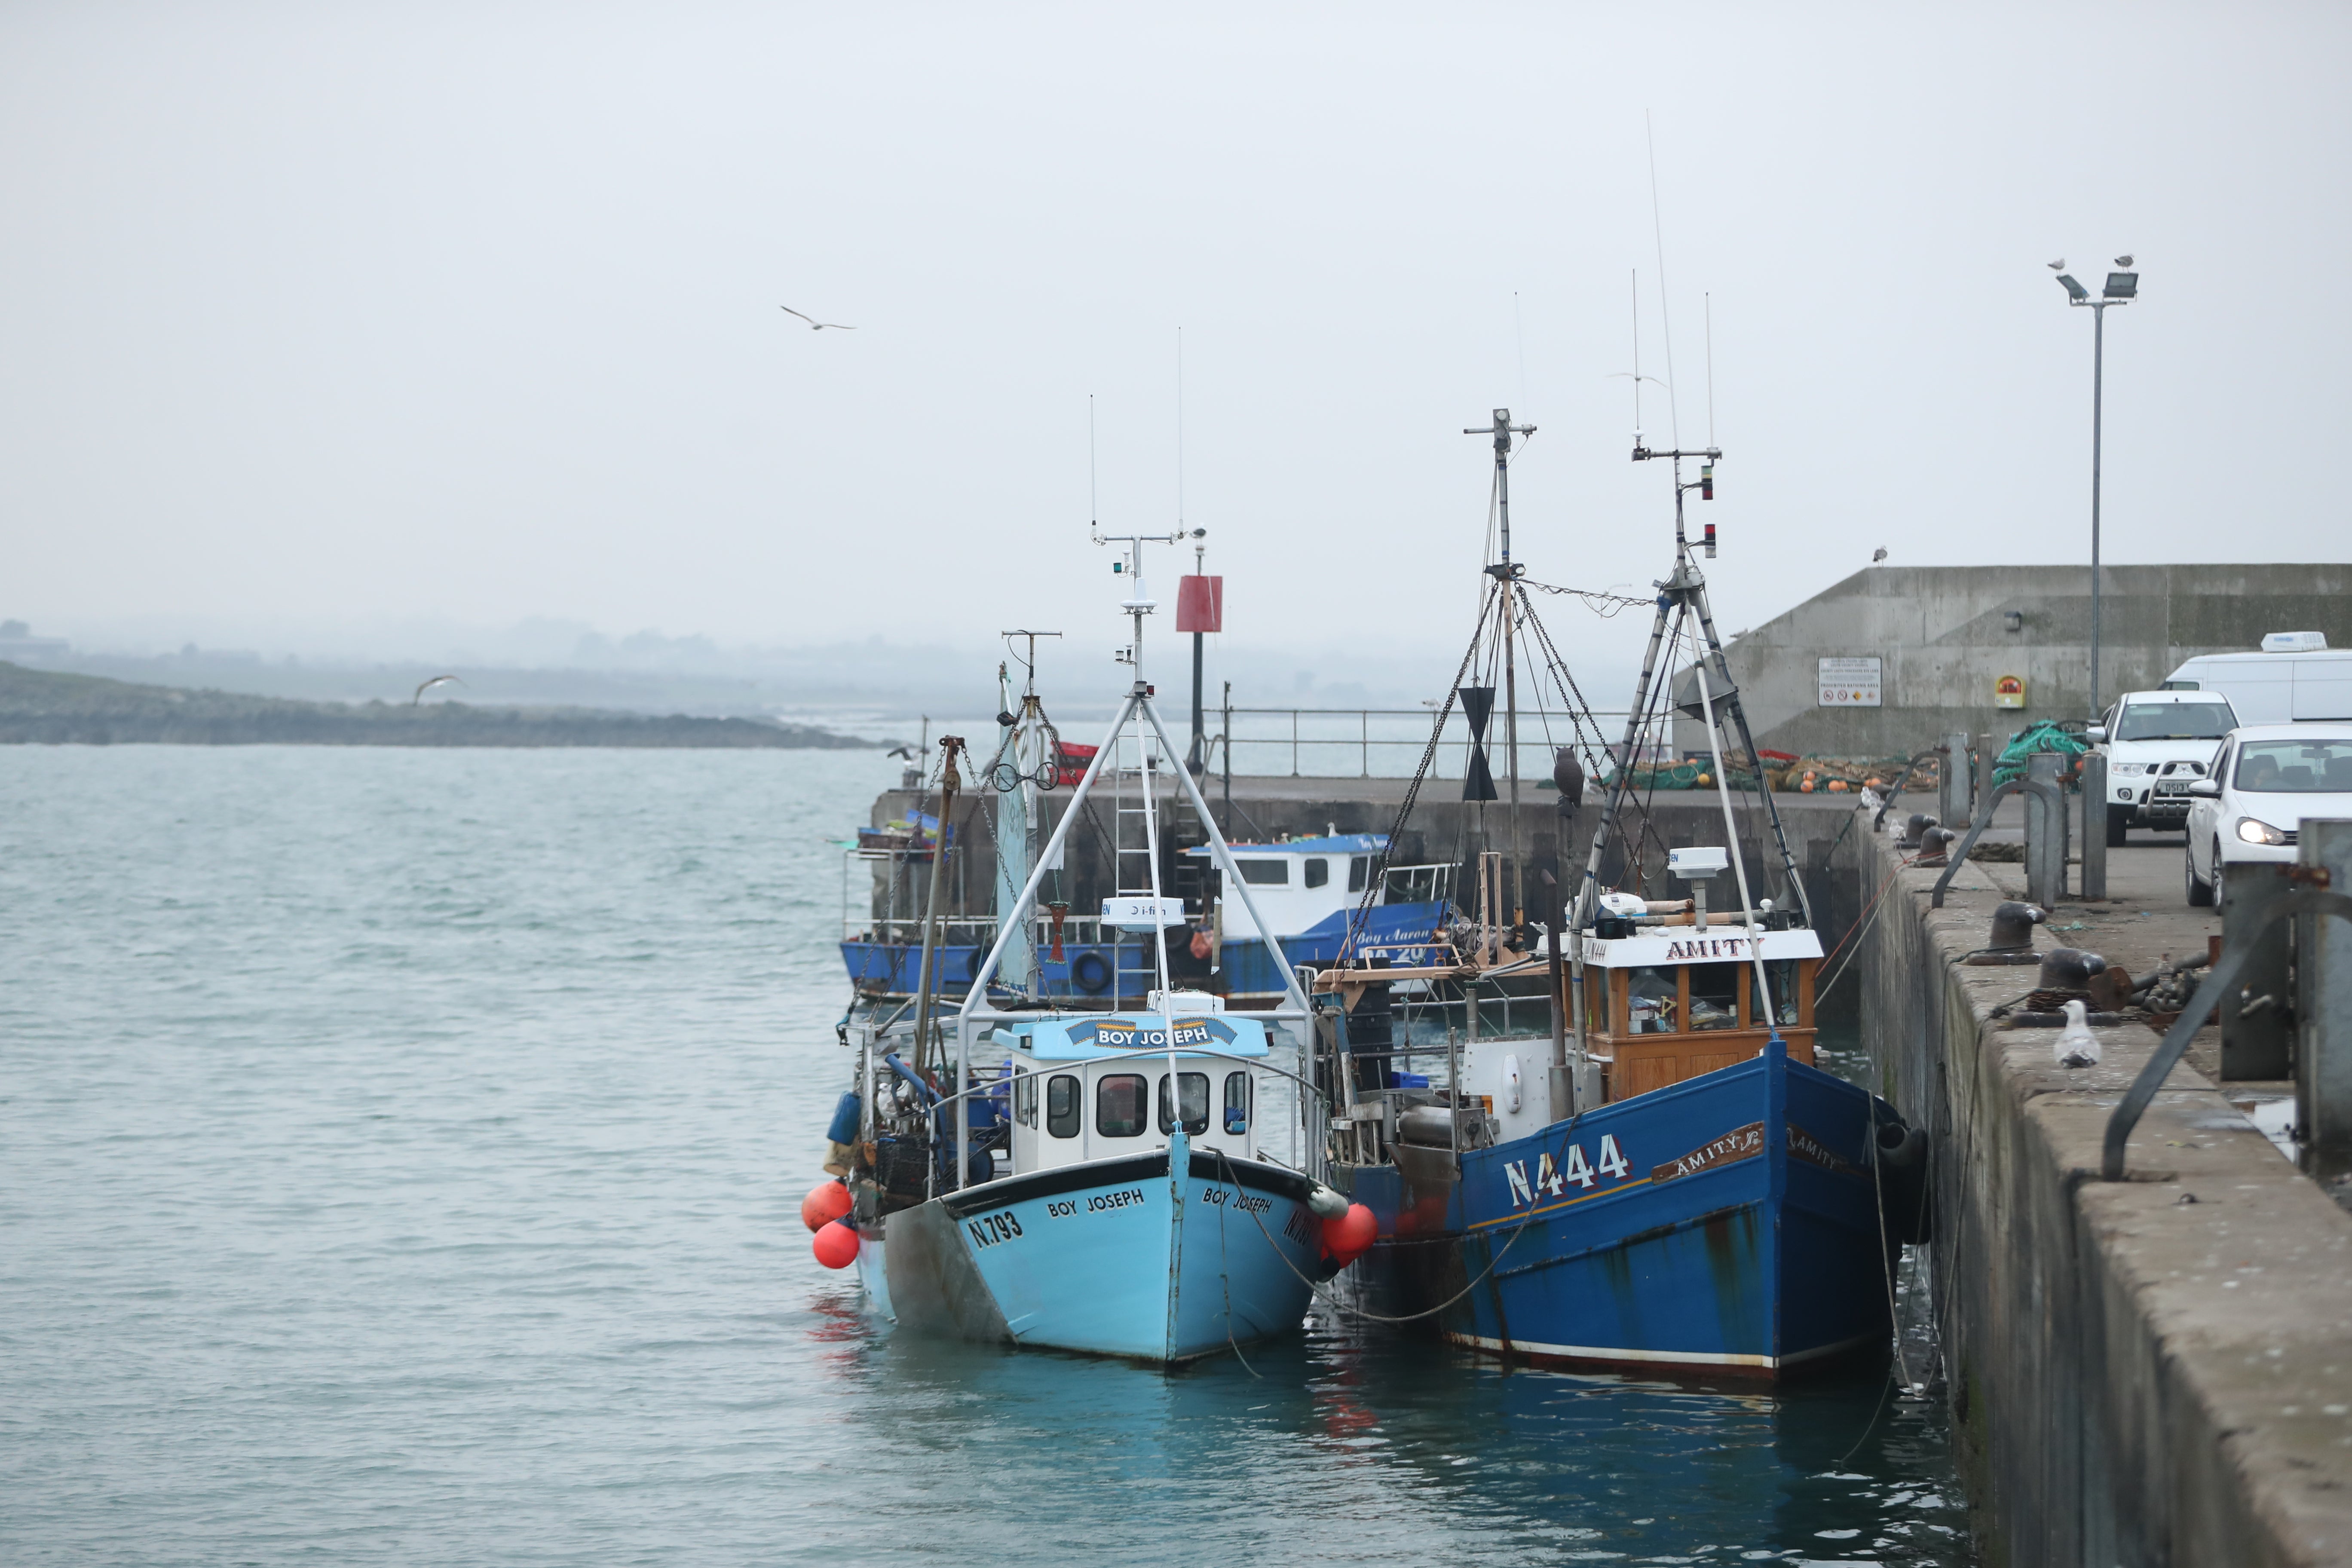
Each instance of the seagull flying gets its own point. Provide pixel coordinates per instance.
(814, 325)
(1878, 555)
(430, 685)
(2059, 265)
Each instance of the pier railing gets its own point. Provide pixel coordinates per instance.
(1386, 743)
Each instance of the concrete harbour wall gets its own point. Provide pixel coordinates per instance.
(1944, 634)
(2151, 1371)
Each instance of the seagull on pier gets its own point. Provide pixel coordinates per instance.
(1878, 555)
(426, 686)
(816, 325)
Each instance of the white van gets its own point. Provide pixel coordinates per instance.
(2156, 742)
(2296, 678)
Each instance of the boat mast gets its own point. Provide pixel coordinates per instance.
(1014, 775)
(1506, 575)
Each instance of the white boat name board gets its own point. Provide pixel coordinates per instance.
(1686, 945)
(1145, 913)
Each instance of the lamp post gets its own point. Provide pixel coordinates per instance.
(2122, 288)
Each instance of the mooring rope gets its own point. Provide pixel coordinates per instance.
(1567, 1131)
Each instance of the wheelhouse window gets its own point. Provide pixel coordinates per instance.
(1650, 1004)
(1062, 1099)
(1318, 871)
(1596, 1000)
(1237, 1102)
(1780, 973)
(1121, 1102)
(1024, 1100)
(1194, 1087)
(1266, 873)
(1714, 996)
(1359, 871)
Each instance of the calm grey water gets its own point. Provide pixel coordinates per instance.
(400, 1160)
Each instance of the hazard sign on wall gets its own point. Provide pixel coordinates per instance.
(1849, 682)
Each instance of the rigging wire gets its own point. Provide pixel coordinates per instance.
(1378, 879)
(1603, 604)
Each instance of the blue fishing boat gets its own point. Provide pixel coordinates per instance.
(1311, 890)
(1662, 1177)
(1037, 1174)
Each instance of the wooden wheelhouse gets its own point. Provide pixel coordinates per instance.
(1671, 1003)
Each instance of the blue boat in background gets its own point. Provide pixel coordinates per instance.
(1309, 889)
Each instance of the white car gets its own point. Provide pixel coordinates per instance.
(2266, 778)
(2157, 744)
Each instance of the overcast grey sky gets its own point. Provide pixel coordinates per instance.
(330, 316)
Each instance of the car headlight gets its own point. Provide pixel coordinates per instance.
(2255, 831)
(2129, 770)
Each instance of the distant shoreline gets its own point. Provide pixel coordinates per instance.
(48, 707)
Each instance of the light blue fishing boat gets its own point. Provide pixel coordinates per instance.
(1144, 1184)
(1121, 1228)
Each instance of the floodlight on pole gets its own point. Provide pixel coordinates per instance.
(2122, 288)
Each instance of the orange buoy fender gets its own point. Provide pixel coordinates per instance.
(827, 1202)
(836, 1246)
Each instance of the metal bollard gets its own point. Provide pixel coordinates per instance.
(1952, 801)
(2323, 945)
(2255, 1034)
(2094, 826)
(2045, 832)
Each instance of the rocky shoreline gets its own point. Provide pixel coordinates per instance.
(47, 707)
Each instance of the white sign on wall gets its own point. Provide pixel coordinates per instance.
(1849, 682)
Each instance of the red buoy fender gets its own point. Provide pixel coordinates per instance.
(827, 1202)
(1349, 1235)
(836, 1246)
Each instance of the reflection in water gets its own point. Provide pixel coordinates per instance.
(1374, 1448)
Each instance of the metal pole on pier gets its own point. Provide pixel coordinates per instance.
(2122, 288)
(1200, 610)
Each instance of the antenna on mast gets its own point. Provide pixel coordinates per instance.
(1707, 300)
(1635, 274)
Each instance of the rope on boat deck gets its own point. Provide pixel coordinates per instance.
(1337, 1306)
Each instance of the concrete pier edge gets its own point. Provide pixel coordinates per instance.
(2151, 1371)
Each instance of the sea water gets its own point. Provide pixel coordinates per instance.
(401, 1154)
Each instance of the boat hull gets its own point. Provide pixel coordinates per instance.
(1111, 1257)
(1729, 1223)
